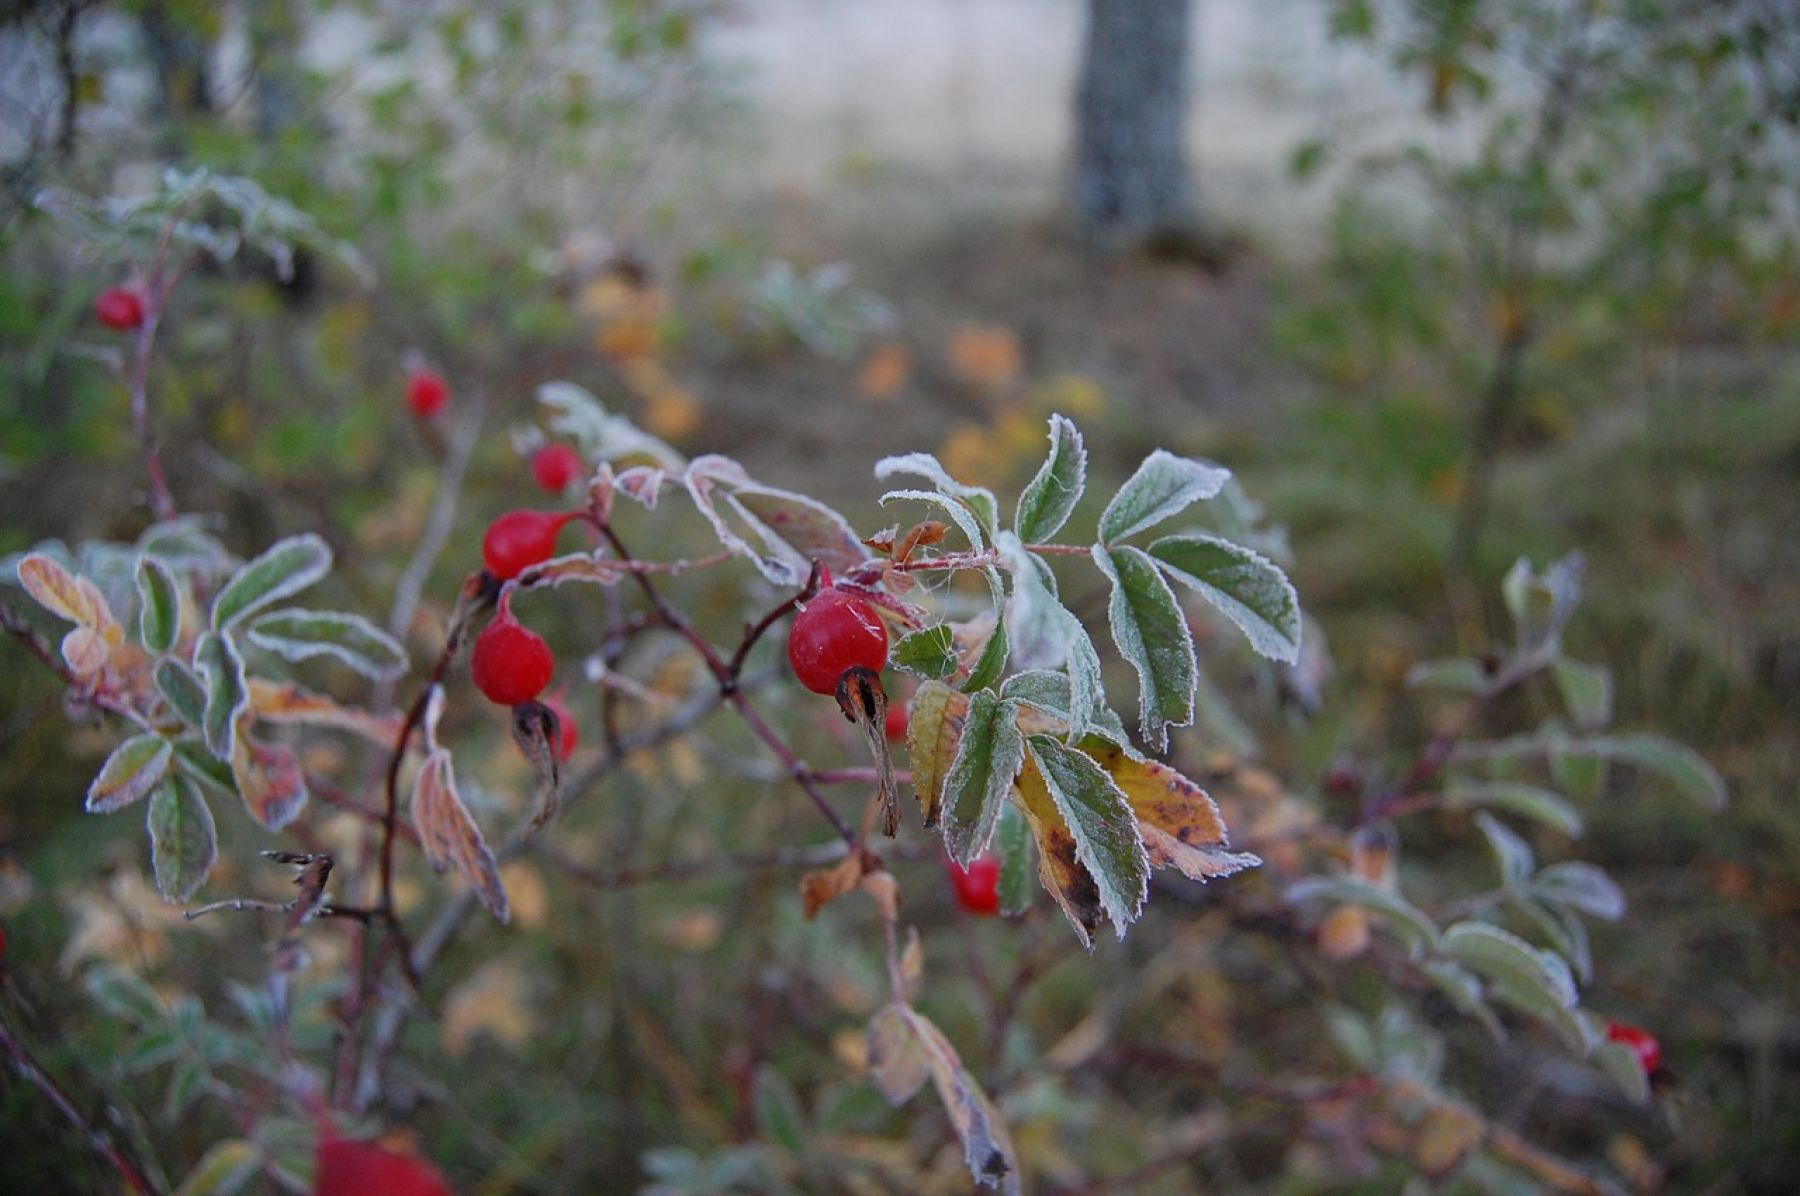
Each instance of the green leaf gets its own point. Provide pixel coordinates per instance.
(1580, 886)
(987, 760)
(126, 996)
(1682, 767)
(206, 770)
(302, 634)
(1012, 842)
(1621, 1065)
(288, 567)
(990, 666)
(1051, 496)
(1458, 675)
(1535, 982)
(1245, 586)
(1587, 691)
(1035, 617)
(1414, 927)
(977, 500)
(1580, 772)
(184, 845)
(1530, 801)
(1512, 855)
(1566, 931)
(227, 697)
(135, 768)
(779, 1116)
(1100, 818)
(225, 1168)
(1057, 694)
(930, 653)
(183, 691)
(159, 606)
(1164, 485)
(1152, 635)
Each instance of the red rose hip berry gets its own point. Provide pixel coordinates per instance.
(895, 726)
(520, 539)
(351, 1168)
(120, 309)
(512, 663)
(834, 633)
(555, 466)
(568, 735)
(1639, 1042)
(426, 393)
(977, 886)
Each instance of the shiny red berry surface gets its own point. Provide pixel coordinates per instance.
(896, 721)
(426, 393)
(977, 886)
(120, 308)
(348, 1168)
(555, 466)
(511, 663)
(835, 633)
(1641, 1042)
(520, 539)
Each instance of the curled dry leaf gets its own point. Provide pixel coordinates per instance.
(864, 702)
(1179, 822)
(933, 731)
(822, 886)
(286, 702)
(449, 836)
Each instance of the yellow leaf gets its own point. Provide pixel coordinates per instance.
(1064, 877)
(1180, 825)
(933, 730)
(1444, 1138)
(78, 600)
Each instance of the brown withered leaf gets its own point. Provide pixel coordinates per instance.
(536, 731)
(920, 535)
(896, 1058)
(269, 777)
(449, 836)
(987, 1146)
(882, 542)
(1180, 825)
(1064, 877)
(820, 887)
(933, 731)
(285, 702)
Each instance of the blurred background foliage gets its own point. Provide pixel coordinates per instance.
(1580, 214)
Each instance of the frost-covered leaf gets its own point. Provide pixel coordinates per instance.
(934, 729)
(183, 692)
(1580, 886)
(183, 842)
(97, 633)
(1163, 486)
(269, 779)
(1179, 823)
(1686, 770)
(1057, 695)
(1152, 635)
(1537, 983)
(135, 768)
(1062, 874)
(978, 500)
(284, 702)
(1245, 586)
(965, 519)
(1413, 925)
(1099, 818)
(1512, 855)
(159, 606)
(987, 759)
(351, 639)
(1012, 843)
(990, 666)
(1457, 675)
(227, 696)
(450, 837)
(1050, 497)
(286, 568)
(1621, 1065)
(813, 530)
(1035, 618)
(1587, 692)
(930, 653)
(1517, 797)
(577, 415)
(1565, 930)
(212, 774)
(802, 528)
(126, 996)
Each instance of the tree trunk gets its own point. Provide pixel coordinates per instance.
(1131, 171)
